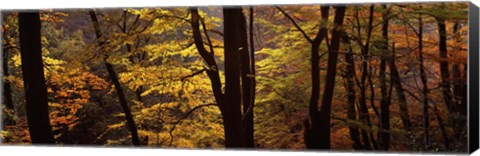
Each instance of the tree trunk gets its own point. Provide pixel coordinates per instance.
(214, 76)
(233, 37)
(312, 136)
(444, 71)
(245, 70)
(327, 98)
(459, 79)
(34, 79)
(351, 94)
(249, 92)
(397, 83)
(113, 76)
(367, 138)
(384, 137)
(425, 90)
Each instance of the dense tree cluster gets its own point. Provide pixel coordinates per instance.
(341, 77)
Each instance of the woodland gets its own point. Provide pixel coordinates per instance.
(346, 77)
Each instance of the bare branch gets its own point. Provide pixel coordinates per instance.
(295, 24)
(184, 117)
(193, 74)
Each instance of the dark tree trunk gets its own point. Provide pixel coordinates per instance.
(459, 79)
(425, 90)
(212, 71)
(233, 37)
(248, 82)
(209, 58)
(327, 98)
(7, 87)
(444, 71)
(384, 137)
(312, 136)
(397, 83)
(245, 70)
(351, 94)
(34, 79)
(367, 138)
(113, 76)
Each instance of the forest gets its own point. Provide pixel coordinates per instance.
(344, 77)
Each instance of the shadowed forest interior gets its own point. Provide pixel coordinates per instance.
(386, 77)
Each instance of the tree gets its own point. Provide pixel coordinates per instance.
(114, 78)
(384, 137)
(33, 78)
(325, 110)
(237, 124)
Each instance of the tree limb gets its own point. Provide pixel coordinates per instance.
(184, 117)
(295, 24)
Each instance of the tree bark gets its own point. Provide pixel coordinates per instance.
(351, 94)
(248, 83)
(114, 77)
(34, 78)
(425, 90)
(460, 84)
(233, 37)
(397, 83)
(444, 71)
(384, 137)
(312, 136)
(327, 98)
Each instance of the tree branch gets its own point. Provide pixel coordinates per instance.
(295, 24)
(184, 117)
(193, 74)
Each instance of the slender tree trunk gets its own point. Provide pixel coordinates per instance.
(368, 139)
(397, 83)
(459, 79)
(312, 130)
(113, 76)
(384, 137)
(444, 71)
(245, 69)
(425, 90)
(34, 78)
(212, 70)
(327, 98)
(351, 94)
(248, 107)
(208, 57)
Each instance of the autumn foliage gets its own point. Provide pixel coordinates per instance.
(342, 77)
